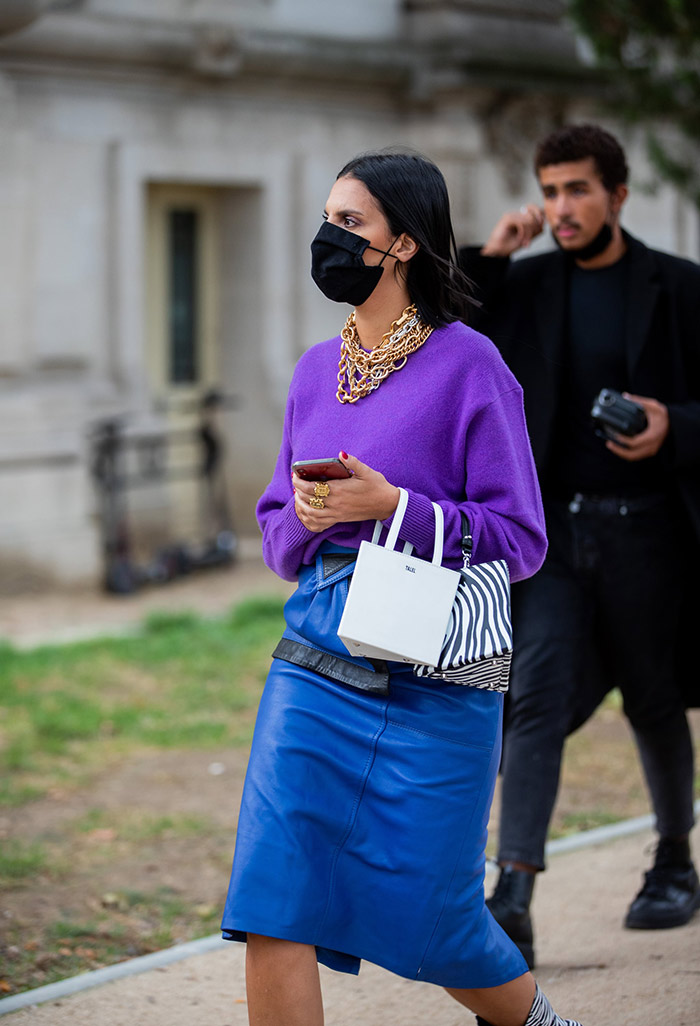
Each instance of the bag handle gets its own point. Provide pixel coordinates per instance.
(439, 534)
(397, 523)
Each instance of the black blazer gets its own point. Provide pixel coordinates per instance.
(524, 312)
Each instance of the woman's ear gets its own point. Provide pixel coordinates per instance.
(405, 247)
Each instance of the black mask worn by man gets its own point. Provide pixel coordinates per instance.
(337, 266)
(593, 248)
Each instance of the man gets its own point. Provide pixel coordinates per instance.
(623, 513)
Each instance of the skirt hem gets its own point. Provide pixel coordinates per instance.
(343, 962)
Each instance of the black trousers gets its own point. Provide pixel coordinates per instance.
(611, 583)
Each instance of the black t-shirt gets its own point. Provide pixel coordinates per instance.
(596, 357)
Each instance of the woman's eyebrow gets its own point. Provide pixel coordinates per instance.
(347, 213)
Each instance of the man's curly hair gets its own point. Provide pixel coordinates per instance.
(576, 142)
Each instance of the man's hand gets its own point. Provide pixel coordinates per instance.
(367, 495)
(648, 442)
(515, 230)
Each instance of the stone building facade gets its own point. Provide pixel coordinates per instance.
(164, 165)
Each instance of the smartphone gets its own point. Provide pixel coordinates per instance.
(320, 470)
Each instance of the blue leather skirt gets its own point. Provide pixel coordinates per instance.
(363, 821)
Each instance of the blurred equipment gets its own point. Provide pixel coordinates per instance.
(123, 460)
(613, 415)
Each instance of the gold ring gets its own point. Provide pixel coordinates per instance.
(316, 503)
(322, 489)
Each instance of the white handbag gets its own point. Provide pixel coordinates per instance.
(398, 605)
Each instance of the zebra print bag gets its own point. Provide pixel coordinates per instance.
(478, 645)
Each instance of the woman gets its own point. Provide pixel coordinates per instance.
(363, 822)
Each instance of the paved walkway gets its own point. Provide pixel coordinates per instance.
(589, 966)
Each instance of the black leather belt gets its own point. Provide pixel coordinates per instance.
(333, 562)
(376, 681)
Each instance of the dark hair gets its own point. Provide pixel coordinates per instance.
(412, 194)
(576, 142)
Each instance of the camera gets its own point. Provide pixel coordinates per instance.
(612, 415)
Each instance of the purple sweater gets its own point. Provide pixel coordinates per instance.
(449, 427)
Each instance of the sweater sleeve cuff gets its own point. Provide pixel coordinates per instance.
(293, 531)
(289, 535)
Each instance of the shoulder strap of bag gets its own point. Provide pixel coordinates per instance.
(467, 541)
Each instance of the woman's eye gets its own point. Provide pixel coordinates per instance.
(349, 222)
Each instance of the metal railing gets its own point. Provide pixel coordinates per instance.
(123, 460)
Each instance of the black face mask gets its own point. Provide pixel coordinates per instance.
(593, 248)
(337, 266)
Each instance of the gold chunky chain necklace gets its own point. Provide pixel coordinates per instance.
(361, 370)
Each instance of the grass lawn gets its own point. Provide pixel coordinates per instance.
(95, 867)
(184, 682)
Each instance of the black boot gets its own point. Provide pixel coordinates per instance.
(671, 891)
(541, 1014)
(510, 907)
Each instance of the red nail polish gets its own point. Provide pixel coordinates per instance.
(343, 455)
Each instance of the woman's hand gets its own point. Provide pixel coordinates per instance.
(367, 495)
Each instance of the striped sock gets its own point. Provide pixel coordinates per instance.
(542, 1013)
